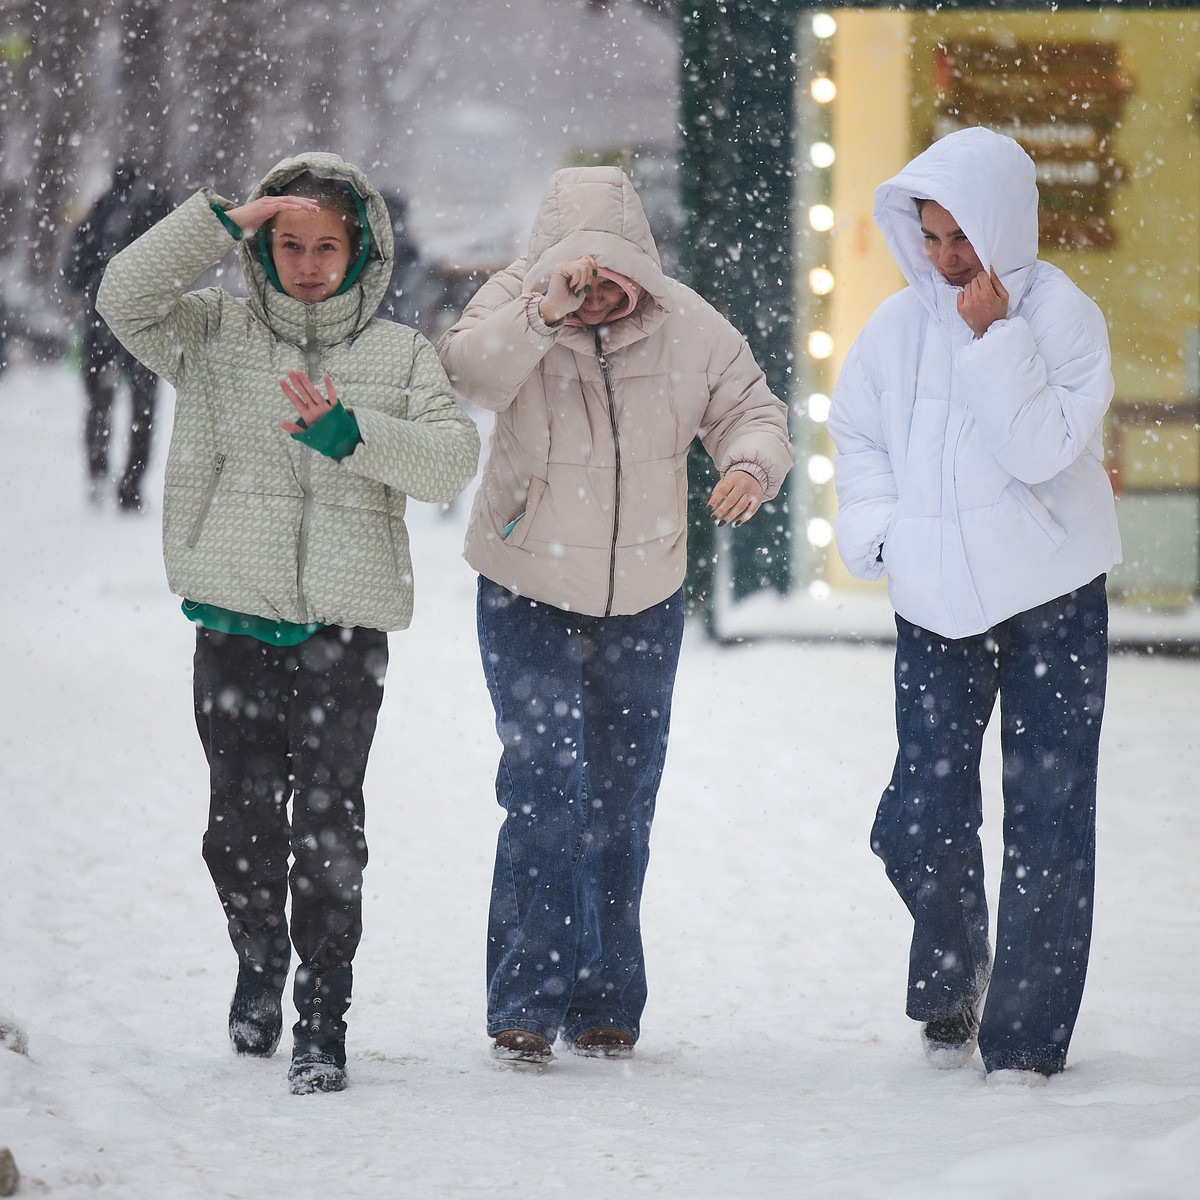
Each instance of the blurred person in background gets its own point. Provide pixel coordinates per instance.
(127, 209)
(302, 426)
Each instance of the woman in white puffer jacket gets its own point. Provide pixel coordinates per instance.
(968, 420)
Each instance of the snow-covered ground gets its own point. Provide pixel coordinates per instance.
(776, 1060)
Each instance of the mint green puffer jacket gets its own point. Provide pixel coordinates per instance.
(254, 521)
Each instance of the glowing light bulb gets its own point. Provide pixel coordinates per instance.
(821, 154)
(818, 407)
(819, 531)
(820, 344)
(820, 468)
(822, 89)
(820, 281)
(820, 217)
(824, 25)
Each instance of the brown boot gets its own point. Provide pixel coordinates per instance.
(521, 1046)
(604, 1042)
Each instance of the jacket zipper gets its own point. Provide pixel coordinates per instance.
(312, 364)
(213, 480)
(605, 374)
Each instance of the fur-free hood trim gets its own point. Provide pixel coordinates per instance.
(358, 304)
(989, 185)
(595, 210)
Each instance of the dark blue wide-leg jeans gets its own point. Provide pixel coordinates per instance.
(583, 707)
(1049, 667)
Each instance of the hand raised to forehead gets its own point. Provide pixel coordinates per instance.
(248, 217)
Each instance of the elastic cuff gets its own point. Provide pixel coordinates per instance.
(536, 323)
(751, 468)
(234, 228)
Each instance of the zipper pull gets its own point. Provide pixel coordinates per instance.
(601, 358)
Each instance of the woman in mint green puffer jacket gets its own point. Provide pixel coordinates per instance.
(302, 425)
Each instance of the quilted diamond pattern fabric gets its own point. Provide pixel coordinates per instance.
(253, 520)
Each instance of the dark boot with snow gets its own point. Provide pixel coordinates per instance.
(950, 1042)
(319, 1051)
(256, 1010)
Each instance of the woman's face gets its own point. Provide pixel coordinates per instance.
(311, 252)
(602, 298)
(946, 246)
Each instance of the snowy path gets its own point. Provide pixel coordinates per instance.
(776, 1060)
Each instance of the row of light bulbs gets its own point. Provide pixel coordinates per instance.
(821, 282)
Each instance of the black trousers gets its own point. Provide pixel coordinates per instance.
(280, 724)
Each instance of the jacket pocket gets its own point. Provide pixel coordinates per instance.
(206, 503)
(517, 530)
(1038, 511)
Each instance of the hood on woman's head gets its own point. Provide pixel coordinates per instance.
(985, 181)
(595, 210)
(336, 195)
(337, 184)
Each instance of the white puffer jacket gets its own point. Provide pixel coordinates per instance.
(975, 464)
(583, 502)
(254, 521)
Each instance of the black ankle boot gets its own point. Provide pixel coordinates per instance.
(319, 1051)
(256, 1010)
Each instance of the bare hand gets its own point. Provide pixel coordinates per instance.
(307, 400)
(248, 217)
(569, 283)
(736, 498)
(983, 301)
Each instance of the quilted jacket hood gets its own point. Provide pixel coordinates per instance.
(355, 306)
(595, 210)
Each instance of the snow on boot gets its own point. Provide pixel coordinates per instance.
(256, 1010)
(950, 1043)
(603, 1042)
(319, 1050)
(255, 1014)
(521, 1046)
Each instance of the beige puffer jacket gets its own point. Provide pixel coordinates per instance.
(588, 454)
(254, 521)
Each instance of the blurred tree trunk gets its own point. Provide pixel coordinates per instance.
(141, 97)
(45, 125)
(218, 63)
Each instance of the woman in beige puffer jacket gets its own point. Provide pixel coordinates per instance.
(601, 371)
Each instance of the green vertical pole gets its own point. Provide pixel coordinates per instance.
(736, 169)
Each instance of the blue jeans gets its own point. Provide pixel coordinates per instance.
(583, 706)
(1048, 666)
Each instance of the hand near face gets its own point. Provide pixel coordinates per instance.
(983, 301)
(307, 400)
(569, 283)
(248, 217)
(736, 498)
